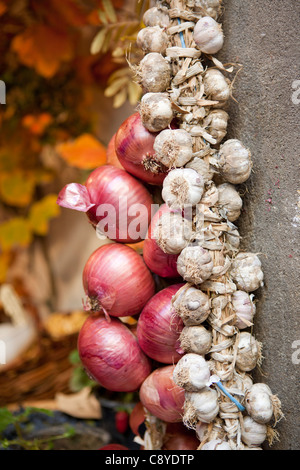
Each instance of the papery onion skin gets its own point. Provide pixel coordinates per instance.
(159, 327)
(161, 396)
(111, 355)
(161, 263)
(117, 281)
(110, 185)
(134, 148)
(111, 156)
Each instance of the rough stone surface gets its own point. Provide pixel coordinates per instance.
(264, 38)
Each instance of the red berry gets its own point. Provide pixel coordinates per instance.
(121, 421)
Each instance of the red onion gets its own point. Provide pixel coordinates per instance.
(109, 198)
(111, 156)
(161, 396)
(117, 281)
(111, 355)
(114, 447)
(161, 263)
(179, 437)
(159, 327)
(134, 147)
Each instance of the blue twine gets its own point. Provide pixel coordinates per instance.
(181, 34)
(237, 403)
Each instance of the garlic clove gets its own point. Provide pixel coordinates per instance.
(182, 188)
(192, 305)
(208, 35)
(195, 264)
(216, 124)
(156, 111)
(244, 308)
(248, 352)
(253, 434)
(173, 147)
(233, 161)
(191, 372)
(152, 39)
(229, 203)
(156, 17)
(200, 406)
(216, 87)
(258, 403)
(195, 339)
(154, 73)
(246, 272)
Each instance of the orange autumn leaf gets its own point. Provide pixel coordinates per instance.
(37, 124)
(43, 48)
(85, 152)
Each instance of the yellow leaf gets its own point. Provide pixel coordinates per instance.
(98, 41)
(16, 188)
(5, 259)
(15, 232)
(85, 152)
(41, 212)
(120, 98)
(43, 49)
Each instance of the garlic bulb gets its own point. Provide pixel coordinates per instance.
(202, 167)
(195, 339)
(208, 35)
(230, 202)
(182, 188)
(248, 352)
(216, 444)
(234, 161)
(152, 39)
(191, 372)
(156, 111)
(194, 264)
(244, 308)
(253, 433)
(200, 406)
(154, 72)
(216, 86)
(173, 232)
(209, 7)
(246, 272)
(173, 147)
(258, 403)
(156, 17)
(192, 305)
(216, 124)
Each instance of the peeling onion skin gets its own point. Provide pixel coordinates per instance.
(134, 148)
(161, 396)
(159, 328)
(106, 185)
(116, 280)
(119, 369)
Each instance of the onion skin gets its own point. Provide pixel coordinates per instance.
(106, 185)
(134, 148)
(117, 281)
(161, 263)
(111, 355)
(111, 156)
(159, 327)
(161, 396)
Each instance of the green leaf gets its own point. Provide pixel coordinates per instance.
(41, 212)
(74, 357)
(30, 409)
(109, 10)
(6, 418)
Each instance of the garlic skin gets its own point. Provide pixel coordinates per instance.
(202, 167)
(182, 188)
(216, 444)
(234, 161)
(152, 39)
(253, 434)
(246, 272)
(156, 17)
(195, 264)
(173, 147)
(248, 352)
(156, 111)
(200, 406)
(208, 35)
(232, 242)
(191, 372)
(195, 339)
(192, 305)
(258, 403)
(216, 86)
(173, 232)
(244, 308)
(216, 124)
(209, 7)
(154, 73)
(230, 202)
